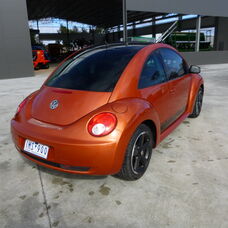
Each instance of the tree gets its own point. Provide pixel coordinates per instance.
(63, 29)
(75, 30)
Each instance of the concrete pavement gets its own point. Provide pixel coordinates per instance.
(186, 184)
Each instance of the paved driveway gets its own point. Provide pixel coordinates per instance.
(186, 184)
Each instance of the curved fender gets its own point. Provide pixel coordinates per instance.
(135, 112)
(196, 82)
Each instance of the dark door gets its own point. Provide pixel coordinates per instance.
(178, 81)
(153, 86)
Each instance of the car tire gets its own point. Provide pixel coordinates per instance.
(138, 154)
(46, 66)
(198, 104)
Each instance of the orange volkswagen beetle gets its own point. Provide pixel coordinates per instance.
(103, 111)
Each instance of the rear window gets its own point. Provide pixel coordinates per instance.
(98, 70)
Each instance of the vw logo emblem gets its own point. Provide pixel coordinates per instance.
(54, 104)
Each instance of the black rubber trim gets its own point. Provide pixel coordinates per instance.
(170, 121)
(61, 166)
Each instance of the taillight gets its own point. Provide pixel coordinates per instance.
(21, 105)
(102, 124)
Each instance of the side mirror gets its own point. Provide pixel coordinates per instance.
(194, 69)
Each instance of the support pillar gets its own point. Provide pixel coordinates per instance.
(119, 35)
(198, 26)
(106, 36)
(153, 28)
(68, 34)
(15, 43)
(124, 22)
(221, 34)
(113, 35)
(180, 18)
(134, 29)
(37, 26)
(93, 35)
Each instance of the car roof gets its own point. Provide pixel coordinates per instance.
(130, 46)
(134, 45)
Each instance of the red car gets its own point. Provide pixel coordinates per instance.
(40, 60)
(102, 111)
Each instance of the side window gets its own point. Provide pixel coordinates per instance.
(175, 65)
(152, 73)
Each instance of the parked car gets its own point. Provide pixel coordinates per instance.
(104, 110)
(40, 59)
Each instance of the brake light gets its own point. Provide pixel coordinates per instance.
(102, 124)
(21, 105)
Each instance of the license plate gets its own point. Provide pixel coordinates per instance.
(36, 148)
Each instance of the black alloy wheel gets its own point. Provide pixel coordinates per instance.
(138, 154)
(141, 153)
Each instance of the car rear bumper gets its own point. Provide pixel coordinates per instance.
(73, 156)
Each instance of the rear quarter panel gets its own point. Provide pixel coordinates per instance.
(136, 111)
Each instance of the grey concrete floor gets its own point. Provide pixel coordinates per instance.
(186, 184)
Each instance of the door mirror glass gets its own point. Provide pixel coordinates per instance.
(194, 69)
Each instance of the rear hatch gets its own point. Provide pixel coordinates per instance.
(72, 104)
(81, 84)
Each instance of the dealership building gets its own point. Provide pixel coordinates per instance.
(120, 18)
